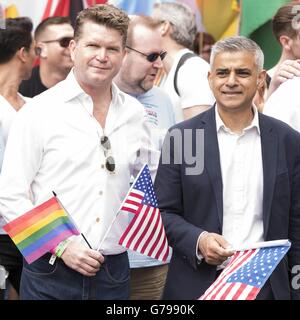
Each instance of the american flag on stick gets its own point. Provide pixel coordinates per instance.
(145, 232)
(247, 272)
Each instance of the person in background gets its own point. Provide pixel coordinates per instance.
(203, 44)
(286, 29)
(136, 77)
(284, 101)
(187, 86)
(16, 62)
(52, 37)
(243, 188)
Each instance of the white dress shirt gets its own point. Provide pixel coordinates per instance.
(242, 176)
(54, 145)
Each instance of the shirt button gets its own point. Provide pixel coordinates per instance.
(98, 220)
(100, 193)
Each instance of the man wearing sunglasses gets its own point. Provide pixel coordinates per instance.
(187, 86)
(82, 139)
(136, 77)
(52, 36)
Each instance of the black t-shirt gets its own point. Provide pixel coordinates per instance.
(33, 86)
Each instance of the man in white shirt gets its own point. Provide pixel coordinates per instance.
(248, 190)
(83, 139)
(16, 61)
(136, 77)
(178, 31)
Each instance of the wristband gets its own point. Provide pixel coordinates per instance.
(59, 250)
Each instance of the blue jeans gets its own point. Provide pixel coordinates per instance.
(42, 281)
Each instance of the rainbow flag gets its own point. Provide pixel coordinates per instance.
(41, 229)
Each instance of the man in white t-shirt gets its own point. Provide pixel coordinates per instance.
(178, 30)
(16, 61)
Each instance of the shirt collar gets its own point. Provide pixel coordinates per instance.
(72, 90)
(254, 124)
(71, 87)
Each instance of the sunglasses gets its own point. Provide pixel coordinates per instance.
(63, 42)
(151, 57)
(109, 161)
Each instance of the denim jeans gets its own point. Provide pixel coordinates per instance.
(43, 281)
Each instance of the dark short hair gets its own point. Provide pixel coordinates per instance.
(42, 26)
(15, 35)
(282, 22)
(106, 15)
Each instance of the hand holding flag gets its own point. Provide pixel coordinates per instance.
(247, 272)
(41, 229)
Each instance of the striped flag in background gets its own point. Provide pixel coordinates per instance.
(145, 233)
(246, 274)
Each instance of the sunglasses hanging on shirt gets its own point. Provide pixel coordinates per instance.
(109, 160)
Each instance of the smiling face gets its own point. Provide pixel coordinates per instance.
(97, 55)
(234, 79)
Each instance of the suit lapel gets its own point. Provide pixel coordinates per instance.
(212, 159)
(269, 146)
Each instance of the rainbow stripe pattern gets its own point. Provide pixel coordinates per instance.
(41, 229)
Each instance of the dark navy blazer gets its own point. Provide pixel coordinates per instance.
(191, 204)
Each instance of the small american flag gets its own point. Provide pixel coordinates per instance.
(246, 274)
(145, 232)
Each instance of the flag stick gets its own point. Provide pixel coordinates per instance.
(264, 244)
(118, 212)
(71, 219)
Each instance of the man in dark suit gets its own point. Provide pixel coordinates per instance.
(248, 190)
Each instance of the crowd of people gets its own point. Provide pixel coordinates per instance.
(84, 107)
